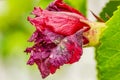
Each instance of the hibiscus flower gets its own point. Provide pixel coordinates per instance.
(58, 38)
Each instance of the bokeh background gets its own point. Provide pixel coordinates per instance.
(15, 31)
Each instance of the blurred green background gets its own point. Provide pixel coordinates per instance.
(14, 33)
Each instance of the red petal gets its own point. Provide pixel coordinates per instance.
(67, 52)
(59, 5)
(58, 22)
(75, 51)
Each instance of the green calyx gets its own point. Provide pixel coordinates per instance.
(95, 32)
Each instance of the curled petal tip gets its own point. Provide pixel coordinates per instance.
(28, 18)
(37, 8)
(37, 11)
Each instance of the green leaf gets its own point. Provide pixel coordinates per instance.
(108, 52)
(108, 10)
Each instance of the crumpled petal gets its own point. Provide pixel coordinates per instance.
(49, 55)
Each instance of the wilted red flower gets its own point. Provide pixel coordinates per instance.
(58, 38)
